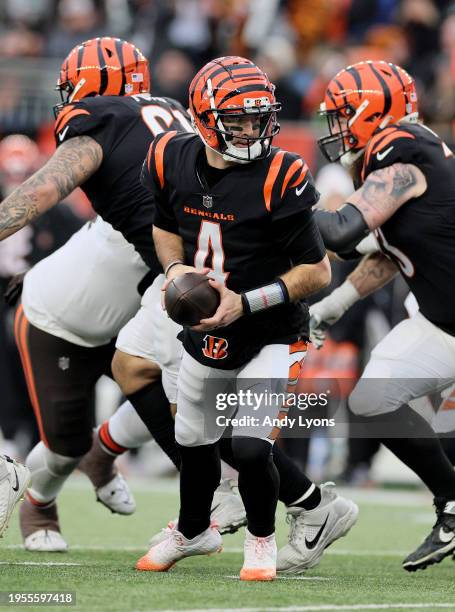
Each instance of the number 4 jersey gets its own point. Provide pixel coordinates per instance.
(124, 127)
(249, 223)
(420, 236)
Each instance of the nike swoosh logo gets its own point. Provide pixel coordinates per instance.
(380, 156)
(62, 135)
(313, 543)
(446, 536)
(299, 191)
(16, 488)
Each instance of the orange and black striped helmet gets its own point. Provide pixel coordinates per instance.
(234, 87)
(361, 99)
(102, 67)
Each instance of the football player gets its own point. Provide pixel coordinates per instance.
(104, 125)
(222, 196)
(405, 176)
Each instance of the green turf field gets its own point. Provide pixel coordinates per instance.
(360, 572)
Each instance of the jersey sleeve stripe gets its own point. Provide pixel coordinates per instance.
(73, 113)
(390, 138)
(298, 163)
(149, 156)
(61, 115)
(159, 155)
(299, 179)
(374, 141)
(271, 178)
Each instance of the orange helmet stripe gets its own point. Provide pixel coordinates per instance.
(271, 178)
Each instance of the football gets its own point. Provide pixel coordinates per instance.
(190, 298)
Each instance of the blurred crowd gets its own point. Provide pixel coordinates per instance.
(301, 44)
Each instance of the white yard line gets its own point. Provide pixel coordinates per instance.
(229, 550)
(279, 577)
(37, 563)
(323, 608)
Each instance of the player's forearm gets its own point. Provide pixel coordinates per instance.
(72, 163)
(168, 246)
(305, 279)
(372, 273)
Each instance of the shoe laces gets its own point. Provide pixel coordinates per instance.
(296, 522)
(261, 546)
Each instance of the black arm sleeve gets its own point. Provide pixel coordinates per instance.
(341, 230)
(299, 236)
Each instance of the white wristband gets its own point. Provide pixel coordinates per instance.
(346, 295)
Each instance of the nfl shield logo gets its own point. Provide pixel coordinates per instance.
(64, 363)
(207, 201)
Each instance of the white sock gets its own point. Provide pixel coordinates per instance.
(127, 428)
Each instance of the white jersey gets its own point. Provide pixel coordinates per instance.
(87, 290)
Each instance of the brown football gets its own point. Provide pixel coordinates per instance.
(190, 298)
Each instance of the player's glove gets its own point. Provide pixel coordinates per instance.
(328, 311)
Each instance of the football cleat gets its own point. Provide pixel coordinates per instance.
(116, 496)
(45, 540)
(311, 531)
(40, 527)
(259, 558)
(14, 479)
(228, 511)
(439, 543)
(175, 546)
(227, 514)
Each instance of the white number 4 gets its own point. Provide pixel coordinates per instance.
(210, 243)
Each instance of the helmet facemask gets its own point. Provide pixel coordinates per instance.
(233, 143)
(341, 141)
(67, 92)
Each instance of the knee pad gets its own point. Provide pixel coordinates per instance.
(373, 397)
(49, 472)
(251, 451)
(58, 465)
(190, 433)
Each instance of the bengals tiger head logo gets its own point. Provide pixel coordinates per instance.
(215, 348)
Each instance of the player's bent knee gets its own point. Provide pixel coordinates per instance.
(133, 373)
(373, 397)
(41, 457)
(68, 426)
(188, 433)
(251, 451)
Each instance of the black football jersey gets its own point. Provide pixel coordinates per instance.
(249, 227)
(420, 236)
(124, 128)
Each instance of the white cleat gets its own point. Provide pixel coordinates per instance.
(311, 531)
(14, 479)
(116, 496)
(227, 513)
(259, 558)
(175, 546)
(45, 540)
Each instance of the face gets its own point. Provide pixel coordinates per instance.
(241, 127)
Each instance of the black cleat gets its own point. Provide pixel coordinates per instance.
(441, 541)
